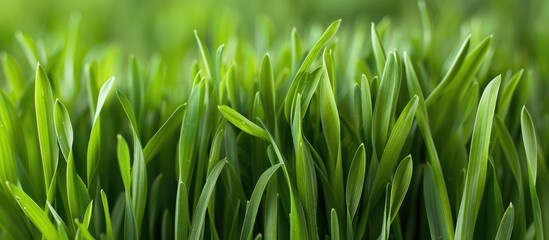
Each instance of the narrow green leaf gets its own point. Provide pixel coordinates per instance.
(392, 150)
(452, 72)
(110, 234)
(154, 197)
(422, 116)
(243, 123)
(530, 144)
(334, 225)
(136, 84)
(12, 73)
(126, 105)
(271, 211)
(200, 211)
(306, 64)
(8, 140)
(189, 133)
(123, 153)
(505, 228)
(255, 199)
(94, 151)
(163, 135)
(478, 160)
(28, 47)
(379, 51)
(530, 148)
(507, 94)
(77, 193)
(102, 97)
(204, 55)
(355, 181)
(433, 206)
(46, 128)
(63, 128)
(386, 102)
(366, 105)
(296, 48)
(401, 182)
(34, 213)
(139, 182)
(268, 91)
(182, 219)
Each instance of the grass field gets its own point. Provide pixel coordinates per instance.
(276, 120)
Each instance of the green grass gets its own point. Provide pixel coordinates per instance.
(334, 133)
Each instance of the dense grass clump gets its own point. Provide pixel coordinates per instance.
(331, 134)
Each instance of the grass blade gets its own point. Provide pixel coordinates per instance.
(162, 137)
(355, 181)
(530, 148)
(35, 214)
(386, 102)
(200, 211)
(392, 150)
(379, 51)
(334, 225)
(110, 234)
(123, 153)
(63, 128)
(478, 160)
(46, 128)
(306, 64)
(243, 123)
(255, 199)
(506, 225)
(401, 182)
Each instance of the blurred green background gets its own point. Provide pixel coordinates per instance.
(146, 26)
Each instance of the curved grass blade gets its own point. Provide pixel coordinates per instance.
(162, 137)
(12, 73)
(355, 181)
(200, 211)
(204, 55)
(478, 160)
(507, 94)
(392, 150)
(439, 183)
(46, 128)
(386, 102)
(243, 123)
(255, 199)
(154, 197)
(110, 234)
(33, 211)
(126, 105)
(139, 181)
(189, 133)
(304, 170)
(377, 48)
(334, 225)
(63, 128)
(399, 188)
(452, 72)
(77, 193)
(530, 148)
(506, 225)
(28, 47)
(306, 64)
(123, 153)
(8, 140)
(268, 91)
(182, 220)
